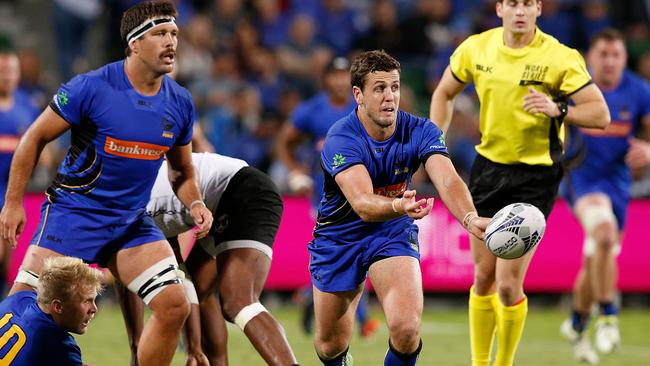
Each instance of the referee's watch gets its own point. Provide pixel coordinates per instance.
(564, 110)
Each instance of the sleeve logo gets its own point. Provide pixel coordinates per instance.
(339, 160)
(62, 98)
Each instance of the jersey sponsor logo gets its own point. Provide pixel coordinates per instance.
(8, 143)
(338, 160)
(134, 149)
(533, 75)
(483, 68)
(614, 129)
(393, 190)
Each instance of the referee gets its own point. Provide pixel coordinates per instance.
(525, 80)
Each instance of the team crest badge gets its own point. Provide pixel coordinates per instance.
(167, 124)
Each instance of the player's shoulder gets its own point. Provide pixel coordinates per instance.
(635, 81)
(18, 301)
(311, 105)
(176, 89)
(346, 126)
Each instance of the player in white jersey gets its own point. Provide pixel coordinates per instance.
(247, 208)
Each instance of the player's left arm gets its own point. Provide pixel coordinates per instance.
(184, 182)
(454, 193)
(590, 109)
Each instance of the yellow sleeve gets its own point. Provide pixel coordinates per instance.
(575, 76)
(460, 61)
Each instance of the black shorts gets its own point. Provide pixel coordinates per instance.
(250, 209)
(495, 185)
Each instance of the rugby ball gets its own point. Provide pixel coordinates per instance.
(515, 230)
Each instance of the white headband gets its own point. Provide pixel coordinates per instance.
(148, 25)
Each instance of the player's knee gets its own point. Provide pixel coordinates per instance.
(404, 333)
(245, 314)
(330, 348)
(604, 235)
(231, 304)
(173, 308)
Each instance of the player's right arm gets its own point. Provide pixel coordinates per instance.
(442, 100)
(356, 185)
(288, 141)
(47, 127)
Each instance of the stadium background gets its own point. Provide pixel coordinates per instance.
(249, 63)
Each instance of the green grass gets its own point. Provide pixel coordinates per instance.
(444, 333)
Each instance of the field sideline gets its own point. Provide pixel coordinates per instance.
(444, 333)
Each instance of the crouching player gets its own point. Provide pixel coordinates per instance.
(247, 208)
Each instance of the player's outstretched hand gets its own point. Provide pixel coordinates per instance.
(415, 209)
(12, 223)
(203, 220)
(536, 102)
(477, 226)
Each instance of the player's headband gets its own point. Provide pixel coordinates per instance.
(148, 25)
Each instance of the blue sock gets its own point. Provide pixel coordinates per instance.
(396, 358)
(362, 309)
(608, 308)
(579, 321)
(340, 360)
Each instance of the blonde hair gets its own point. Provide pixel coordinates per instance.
(61, 278)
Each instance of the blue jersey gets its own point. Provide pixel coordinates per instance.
(13, 123)
(600, 155)
(390, 163)
(31, 337)
(118, 138)
(315, 117)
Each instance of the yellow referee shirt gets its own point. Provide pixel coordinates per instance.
(502, 76)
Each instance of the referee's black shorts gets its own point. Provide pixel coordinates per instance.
(495, 185)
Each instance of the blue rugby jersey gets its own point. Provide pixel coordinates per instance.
(14, 121)
(31, 337)
(118, 138)
(600, 155)
(390, 163)
(315, 116)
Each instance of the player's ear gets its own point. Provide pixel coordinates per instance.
(358, 95)
(57, 306)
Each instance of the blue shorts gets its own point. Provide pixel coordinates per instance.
(93, 234)
(342, 266)
(575, 187)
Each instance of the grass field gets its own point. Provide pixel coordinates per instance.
(444, 333)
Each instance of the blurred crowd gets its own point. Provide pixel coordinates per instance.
(249, 63)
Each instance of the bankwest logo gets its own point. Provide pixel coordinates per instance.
(134, 150)
(394, 190)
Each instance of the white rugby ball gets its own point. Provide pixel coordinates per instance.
(515, 230)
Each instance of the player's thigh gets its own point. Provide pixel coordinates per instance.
(596, 213)
(334, 313)
(36, 256)
(242, 272)
(201, 267)
(398, 284)
(128, 264)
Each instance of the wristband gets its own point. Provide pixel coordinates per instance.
(468, 218)
(563, 107)
(197, 202)
(395, 203)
